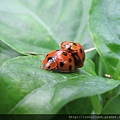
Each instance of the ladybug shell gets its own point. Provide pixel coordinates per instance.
(65, 61)
(69, 46)
(49, 63)
(76, 50)
(60, 60)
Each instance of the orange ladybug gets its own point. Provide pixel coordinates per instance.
(59, 60)
(76, 50)
(49, 63)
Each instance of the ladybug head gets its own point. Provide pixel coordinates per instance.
(50, 64)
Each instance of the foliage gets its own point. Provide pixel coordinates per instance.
(40, 26)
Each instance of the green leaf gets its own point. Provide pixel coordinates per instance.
(102, 69)
(89, 68)
(6, 53)
(113, 106)
(57, 95)
(106, 97)
(40, 26)
(26, 88)
(79, 106)
(104, 22)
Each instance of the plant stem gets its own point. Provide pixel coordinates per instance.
(91, 49)
(33, 53)
(96, 104)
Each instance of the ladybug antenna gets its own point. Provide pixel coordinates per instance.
(91, 49)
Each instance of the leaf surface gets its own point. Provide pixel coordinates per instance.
(26, 88)
(6, 53)
(113, 106)
(104, 22)
(40, 26)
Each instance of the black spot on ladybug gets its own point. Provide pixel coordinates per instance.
(70, 60)
(48, 67)
(49, 58)
(64, 53)
(70, 67)
(74, 44)
(80, 50)
(62, 64)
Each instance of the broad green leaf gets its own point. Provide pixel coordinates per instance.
(6, 53)
(57, 95)
(26, 88)
(116, 91)
(79, 106)
(113, 106)
(104, 22)
(89, 69)
(106, 97)
(41, 25)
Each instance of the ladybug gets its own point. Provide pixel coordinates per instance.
(76, 50)
(59, 60)
(49, 63)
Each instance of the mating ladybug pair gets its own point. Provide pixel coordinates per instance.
(70, 57)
